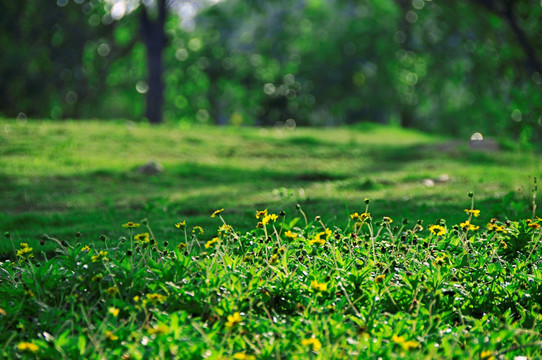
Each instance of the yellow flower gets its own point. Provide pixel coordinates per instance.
(112, 291)
(131, 225)
(111, 336)
(496, 228)
(406, 345)
(360, 217)
(2, 312)
(317, 286)
(290, 235)
(318, 238)
(25, 252)
(142, 238)
(468, 226)
(534, 225)
(387, 220)
(27, 347)
(437, 229)
(314, 343)
(180, 225)
(102, 256)
(156, 298)
(317, 241)
(380, 279)
(243, 356)
(486, 355)
(160, 329)
(476, 213)
(214, 214)
(86, 248)
(274, 259)
(113, 311)
(269, 218)
(225, 229)
(197, 229)
(181, 246)
(234, 320)
(211, 243)
(261, 214)
(440, 260)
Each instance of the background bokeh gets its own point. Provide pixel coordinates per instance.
(453, 67)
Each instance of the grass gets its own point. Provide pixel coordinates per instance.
(286, 289)
(60, 178)
(329, 275)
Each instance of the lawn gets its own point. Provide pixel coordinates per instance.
(59, 178)
(353, 242)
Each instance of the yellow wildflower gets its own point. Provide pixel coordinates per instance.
(180, 225)
(86, 248)
(473, 212)
(225, 229)
(468, 226)
(181, 246)
(27, 347)
(290, 235)
(360, 217)
(113, 311)
(380, 279)
(317, 286)
(101, 256)
(387, 220)
(142, 238)
(261, 214)
(440, 260)
(318, 241)
(318, 238)
(496, 228)
(112, 291)
(2, 312)
(534, 225)
(216, 212)
(314, 343)
(211, 243)
(111, 336)
(269, 218)
(487, 355)
(234, 320)
(243, 356)
(25, 252)
(197, 229)
(131, 225)
(156, 298)
(437, 229)
(406, 345)
(274, 259)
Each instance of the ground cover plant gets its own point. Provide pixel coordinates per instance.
(294, 286)
(60, 178)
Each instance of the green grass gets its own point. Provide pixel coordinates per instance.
(315, 283)
(62, 177)
(287, 289)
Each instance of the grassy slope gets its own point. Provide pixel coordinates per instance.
(62, 177)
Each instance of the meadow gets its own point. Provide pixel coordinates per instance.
(353, 242)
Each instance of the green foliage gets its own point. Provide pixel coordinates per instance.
(286, 288)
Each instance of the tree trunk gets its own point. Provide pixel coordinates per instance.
(154, 38)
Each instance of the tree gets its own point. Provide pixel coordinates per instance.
(154, 38)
